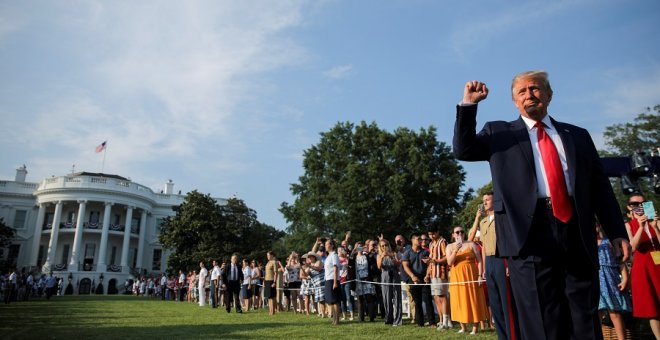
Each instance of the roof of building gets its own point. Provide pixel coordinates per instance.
(98, 174)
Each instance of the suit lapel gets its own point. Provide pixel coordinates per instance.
(519, 130)
(569, 147)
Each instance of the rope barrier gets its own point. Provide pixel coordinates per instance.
(395, 284)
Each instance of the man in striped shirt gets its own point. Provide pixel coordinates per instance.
(438, 273)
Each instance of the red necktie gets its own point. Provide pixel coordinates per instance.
(561, 206)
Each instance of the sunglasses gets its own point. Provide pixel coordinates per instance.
(635, 203)
(459, 232)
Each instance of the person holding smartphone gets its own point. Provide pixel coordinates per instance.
(468, 303)
(645, 274)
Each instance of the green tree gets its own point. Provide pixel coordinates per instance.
(362, 179)
(204, 230)
(642, 134)
(7, 233)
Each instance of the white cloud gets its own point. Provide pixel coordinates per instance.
(156, 79)
(339, 72)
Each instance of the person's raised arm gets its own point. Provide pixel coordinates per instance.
(475, 226)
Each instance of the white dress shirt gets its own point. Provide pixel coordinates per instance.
(541, 179)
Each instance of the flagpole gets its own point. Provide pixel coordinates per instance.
(105, 149)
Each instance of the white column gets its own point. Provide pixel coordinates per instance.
(54, 233)
(103, 247)
(127, 239)
(143, 228)
(36, 240)
(77, 239)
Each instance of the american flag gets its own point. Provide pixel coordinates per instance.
(101, 147)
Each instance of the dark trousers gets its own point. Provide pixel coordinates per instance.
(379, 299)
(554, 283)
(391, 298)
(421, 294)
(213, 295)
(498, 297)
(367, 306)
(232, 293)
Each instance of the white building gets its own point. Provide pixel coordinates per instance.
(88, 227)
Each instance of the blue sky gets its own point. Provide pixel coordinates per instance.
(224, 96)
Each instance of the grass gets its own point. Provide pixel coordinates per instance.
(85, 317)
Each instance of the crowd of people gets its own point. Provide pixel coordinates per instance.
(22, 286)
(458, 283)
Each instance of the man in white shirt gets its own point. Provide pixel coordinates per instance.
(203, 273)
(9, 287)
(163, 286)
(332, 289)
(215, 277)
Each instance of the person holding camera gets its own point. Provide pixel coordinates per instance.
(645, 274)
(364, 289)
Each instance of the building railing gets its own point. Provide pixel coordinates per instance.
(97, 182)
(113, 268)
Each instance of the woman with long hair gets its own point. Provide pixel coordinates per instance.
(388, 263)
(364, 289)
(255, 281)
(293, 275)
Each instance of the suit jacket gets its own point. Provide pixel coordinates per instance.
(226, 274)
(508, 149)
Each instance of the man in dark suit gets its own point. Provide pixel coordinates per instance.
(232, 278)
(548, 185)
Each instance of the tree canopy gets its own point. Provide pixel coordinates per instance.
(7, 233)
(643, 134)
(202, 230)
(366, 180)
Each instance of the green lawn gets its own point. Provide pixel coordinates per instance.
(84, 317)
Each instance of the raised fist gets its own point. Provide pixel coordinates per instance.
(474, 92)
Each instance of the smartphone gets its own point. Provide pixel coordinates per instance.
(459, 239)
(481, 208)
(649, 210)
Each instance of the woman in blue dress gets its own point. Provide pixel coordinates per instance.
(613, 277)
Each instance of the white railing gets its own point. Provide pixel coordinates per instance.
(18, 187)
(102, 183)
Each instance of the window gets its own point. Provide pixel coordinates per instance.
(113, 255)
(134, 260)
(71, 217)
(159, 221)
(117, 219)
(65, 254)
(155, 262)
(41, 258)
(94, 216)
(19, 219)
(90, 249)
(49, 218)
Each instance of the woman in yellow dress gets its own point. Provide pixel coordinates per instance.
(468, 303)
